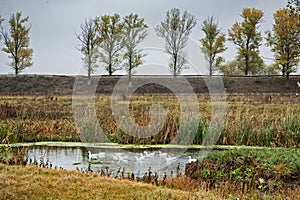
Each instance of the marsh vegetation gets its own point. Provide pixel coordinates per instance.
(250, 119)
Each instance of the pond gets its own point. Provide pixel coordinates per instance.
(131, 160)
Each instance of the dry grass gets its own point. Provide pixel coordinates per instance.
(30, 182)
(251, 119)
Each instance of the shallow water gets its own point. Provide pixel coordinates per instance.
(135, 161)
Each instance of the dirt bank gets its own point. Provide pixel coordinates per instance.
(63, 85)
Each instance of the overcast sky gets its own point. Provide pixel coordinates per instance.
(54, 23)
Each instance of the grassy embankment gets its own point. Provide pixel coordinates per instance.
(31, 182)
(265, 170)
(37, 183)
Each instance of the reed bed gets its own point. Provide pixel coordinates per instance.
(251, 119)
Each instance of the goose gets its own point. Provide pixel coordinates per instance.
(192, 159)
(298, 84)
(119, 157)
(162, 154)
(91, 156)
(170, 158)
(149, 154)
(139, 158)
(146, 153)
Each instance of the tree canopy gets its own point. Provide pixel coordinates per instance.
(284, 41)
(16, 43)
(135, 31)
(212, 44)
(110, 31)
(247, 38)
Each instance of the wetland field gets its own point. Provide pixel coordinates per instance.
(256, 155)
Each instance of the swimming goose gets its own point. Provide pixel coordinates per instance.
(192, 159)
(91, 156)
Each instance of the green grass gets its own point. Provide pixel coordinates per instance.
(245, 169)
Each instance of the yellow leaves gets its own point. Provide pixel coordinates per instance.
(285, 39)
(285, 21)
(252, 15)
(246, 12)
(247, 38)
(235, 34)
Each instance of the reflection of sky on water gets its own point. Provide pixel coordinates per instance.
(58, 156)
(133, 161)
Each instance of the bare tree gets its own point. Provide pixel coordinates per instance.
(294, 4)
(1, 20)
(175, 29)
(110, 32)
(16, 43)
(89, 45)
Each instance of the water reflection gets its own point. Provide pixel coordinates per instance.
(135, 161)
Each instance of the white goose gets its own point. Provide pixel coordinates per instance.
(140, 158)
(170, 158)
(149, 154)
(91, 156)
(192, 159)
(162, 154)
(120, 157)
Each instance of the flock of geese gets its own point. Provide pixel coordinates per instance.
(120, 157)
(142, 158)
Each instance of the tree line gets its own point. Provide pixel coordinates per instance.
(113, 41)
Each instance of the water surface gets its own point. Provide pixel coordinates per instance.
(132, 160)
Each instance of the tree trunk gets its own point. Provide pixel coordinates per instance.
(247, 57)
(246, 64)
(109, 69)
(89, 64)
(16, 67)
(130, 67)
(210, 67)
(287, 77)
(283, 70)
(175, 66)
